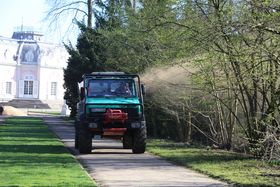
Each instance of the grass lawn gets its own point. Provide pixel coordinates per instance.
(30, 155)
(227, 166)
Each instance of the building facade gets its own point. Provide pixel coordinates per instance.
(31, 69)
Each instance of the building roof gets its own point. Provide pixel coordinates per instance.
(26, 33)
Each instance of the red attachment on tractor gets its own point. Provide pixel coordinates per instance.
(115, 116)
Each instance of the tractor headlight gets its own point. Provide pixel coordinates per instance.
(92, 125)
(135, 124)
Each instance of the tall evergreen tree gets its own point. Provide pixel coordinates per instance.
(89, 56)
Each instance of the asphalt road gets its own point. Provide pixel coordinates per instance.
(110, 165)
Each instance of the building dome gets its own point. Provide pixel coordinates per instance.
(29, 53)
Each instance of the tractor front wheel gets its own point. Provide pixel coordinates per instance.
(84, 139)
(139, 140)
(76, 136)
(127, 140)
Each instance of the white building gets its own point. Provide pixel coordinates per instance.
(31, 70)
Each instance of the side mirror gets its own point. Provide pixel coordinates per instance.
(143, 89)
(82, 93)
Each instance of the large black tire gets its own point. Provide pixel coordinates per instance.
(84, 139)
(127, 140)
(76, 138)
(139, 140)
(76, 135)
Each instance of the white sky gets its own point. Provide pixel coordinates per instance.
(31, 13)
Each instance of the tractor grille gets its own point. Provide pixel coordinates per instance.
(132, 113)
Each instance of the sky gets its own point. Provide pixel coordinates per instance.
(14, 13)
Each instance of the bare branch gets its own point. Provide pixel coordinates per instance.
(62, 7)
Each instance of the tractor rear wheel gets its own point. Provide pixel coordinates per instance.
(84, 139)
(139, 140)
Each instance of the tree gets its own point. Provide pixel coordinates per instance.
(84, 9)
(244, 52)
(59, 9)
(89, 56)
(63, 15)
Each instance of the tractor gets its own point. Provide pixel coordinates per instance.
(111, 106)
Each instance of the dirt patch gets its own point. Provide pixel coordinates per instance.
(12, 111)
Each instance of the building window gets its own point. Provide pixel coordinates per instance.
(8, 87)
(53, 88)
(28, 87)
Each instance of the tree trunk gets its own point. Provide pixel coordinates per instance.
(90, 11)
(133, 4)
(179, 127)
(189, 128)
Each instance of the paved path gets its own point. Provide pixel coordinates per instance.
(2, 119)
(110, 165)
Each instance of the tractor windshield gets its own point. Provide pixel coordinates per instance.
(111, 88)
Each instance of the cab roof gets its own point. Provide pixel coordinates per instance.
(109, 75)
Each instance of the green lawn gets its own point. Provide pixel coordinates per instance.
(227, 166)
(30, 155)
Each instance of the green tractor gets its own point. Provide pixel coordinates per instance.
(111, 105)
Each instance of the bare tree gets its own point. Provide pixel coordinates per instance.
(63, 15)
(68, 12)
